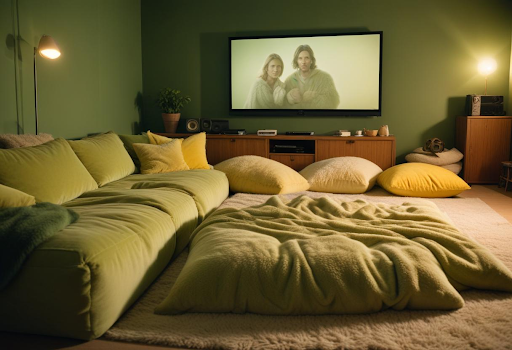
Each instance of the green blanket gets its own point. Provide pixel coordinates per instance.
(318, 256)
(22, 229)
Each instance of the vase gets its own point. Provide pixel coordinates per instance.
(171, 122)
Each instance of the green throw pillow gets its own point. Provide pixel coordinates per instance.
(129, 140)
(50, 172)
(104, 156)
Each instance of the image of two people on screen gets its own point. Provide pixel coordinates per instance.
(306, 88)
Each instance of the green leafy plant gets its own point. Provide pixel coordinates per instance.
(171, 101)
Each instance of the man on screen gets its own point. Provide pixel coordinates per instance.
(309, 87)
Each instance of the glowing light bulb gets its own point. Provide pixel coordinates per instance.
(50, 53)
(487, 66)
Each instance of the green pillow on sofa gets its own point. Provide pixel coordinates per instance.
(129, 140)
(104, 156)
(50, 172)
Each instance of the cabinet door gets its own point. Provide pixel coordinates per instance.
(294, 161)
(218, 150)
(379, 152)
(488, 144)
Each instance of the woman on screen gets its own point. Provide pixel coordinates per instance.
(268, 92)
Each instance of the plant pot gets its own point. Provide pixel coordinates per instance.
(171, 121)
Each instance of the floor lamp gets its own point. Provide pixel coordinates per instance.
(47, 48)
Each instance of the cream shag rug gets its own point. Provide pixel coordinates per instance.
(485, 322)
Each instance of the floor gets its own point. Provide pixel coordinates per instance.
(495, 197)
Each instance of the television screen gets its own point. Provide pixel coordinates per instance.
(328, 74)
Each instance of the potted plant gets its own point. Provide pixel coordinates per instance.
(171, 102)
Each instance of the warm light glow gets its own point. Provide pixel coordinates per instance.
(487, 66)
(48, 47)
(50, 53)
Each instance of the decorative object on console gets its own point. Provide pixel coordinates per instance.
(267, 132)
(486, 67)
(342, 133)
(171, 102)
(300, 133)
(47, 48)
(368, 132)
(384, 130)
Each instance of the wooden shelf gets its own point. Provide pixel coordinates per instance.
(379, 149)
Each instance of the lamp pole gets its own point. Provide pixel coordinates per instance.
(35, 91)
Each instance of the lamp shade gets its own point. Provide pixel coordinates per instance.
(48, 47)
(487, 66)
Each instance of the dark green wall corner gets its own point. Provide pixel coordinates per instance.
(430, 54)
(92, 87)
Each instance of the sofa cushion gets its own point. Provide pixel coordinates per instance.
(50, 172)
(254, 174)
(155, 159)
(128, 141)
(193, 147)
(104, 156)
(341, 175)
(10, 197)
(208, 188)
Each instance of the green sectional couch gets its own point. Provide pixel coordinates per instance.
(79, 282)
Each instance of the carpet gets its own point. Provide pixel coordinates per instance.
(485, 322)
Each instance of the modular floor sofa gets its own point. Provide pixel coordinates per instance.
(78, 282)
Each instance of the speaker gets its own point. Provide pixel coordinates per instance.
(192, 125)
(206, 125)
(219, 126)
(484, 105)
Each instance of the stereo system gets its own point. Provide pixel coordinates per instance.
(213, 126)
(484, 105)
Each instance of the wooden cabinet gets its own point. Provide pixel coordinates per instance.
(309, 149)
(485, 143)
(380, 150)
(219, 149)
(294, 160)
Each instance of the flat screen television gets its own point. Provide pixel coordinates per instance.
(324, 75)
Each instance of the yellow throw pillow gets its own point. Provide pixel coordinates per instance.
(254, 174)
(342, 175)
(104, 156)
(193, 147)
(50, 172)
(10, 197)
(421, 180)
(164, 158)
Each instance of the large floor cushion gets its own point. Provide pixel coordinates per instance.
(81, 280)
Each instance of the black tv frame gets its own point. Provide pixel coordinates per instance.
(307, 112)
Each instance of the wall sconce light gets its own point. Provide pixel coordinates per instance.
(486, 67)
(47, 48)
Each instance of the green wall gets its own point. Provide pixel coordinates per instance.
(93, 86)
(430, 53)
